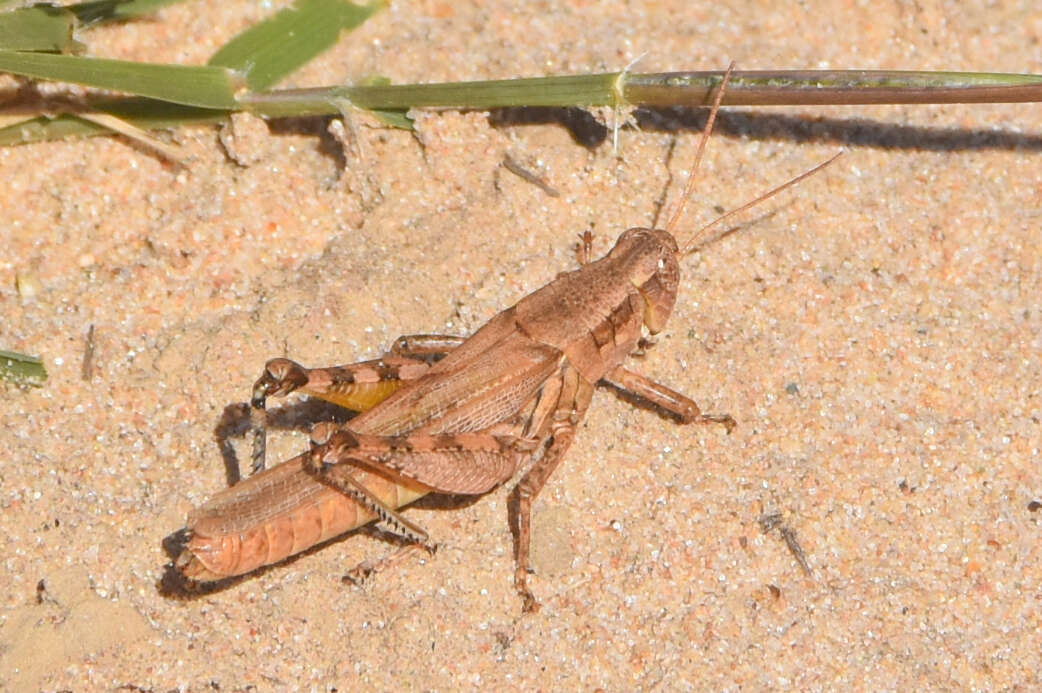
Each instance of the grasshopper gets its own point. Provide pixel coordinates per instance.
(450, 415)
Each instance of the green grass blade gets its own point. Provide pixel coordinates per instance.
(50, 28)
(279, 45)
(21, 369)
(115, 10)
(663, 89)
(754, 88)
(394, 119)
(47, 128)
(568, 90)
(206, 86)
(39, 28)
(146, 114)
(581, 90)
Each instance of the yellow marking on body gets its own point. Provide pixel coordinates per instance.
(359, 396)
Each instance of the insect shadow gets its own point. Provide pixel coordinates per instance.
(293, 416)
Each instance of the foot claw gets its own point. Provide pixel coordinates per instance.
(359, 576)
(529, 605)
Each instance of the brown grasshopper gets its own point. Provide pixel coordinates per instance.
(453, 415)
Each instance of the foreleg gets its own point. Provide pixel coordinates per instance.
(681, 406)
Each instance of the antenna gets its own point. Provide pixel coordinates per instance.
(689, 188)
(770, 193)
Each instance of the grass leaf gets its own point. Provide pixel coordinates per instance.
(101, 11)
(274, 48)
(206, 86)
(22, 369)
(39, 28)
(146, 114)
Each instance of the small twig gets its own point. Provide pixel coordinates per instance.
(87, 369)
(774, 520)
(524, 174)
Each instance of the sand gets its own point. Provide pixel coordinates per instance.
(875, 334)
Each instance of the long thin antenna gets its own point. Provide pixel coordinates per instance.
(689, 189)
(770, 193)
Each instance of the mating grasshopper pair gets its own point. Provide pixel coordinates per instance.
(453, 415)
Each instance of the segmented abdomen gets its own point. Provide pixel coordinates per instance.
(275, 514)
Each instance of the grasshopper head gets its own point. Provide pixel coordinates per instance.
(648, 258)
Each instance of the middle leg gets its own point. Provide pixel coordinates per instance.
(574, 399)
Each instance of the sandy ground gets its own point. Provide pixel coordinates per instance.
(876, 335)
